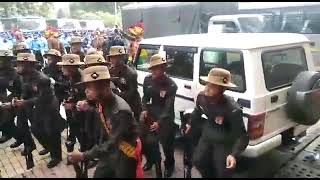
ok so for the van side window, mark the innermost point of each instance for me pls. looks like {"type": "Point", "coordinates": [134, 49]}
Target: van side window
{"type": "Point", "coordinates": [230, 60]}
{"type": "Point", "coordinates": [280, 67]}
{"type": "Point", "coordinates": [180, 64]}
{"type": "Point", "coordinates": [143, 56]}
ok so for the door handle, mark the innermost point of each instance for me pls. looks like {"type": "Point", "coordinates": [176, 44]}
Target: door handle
{"type": "Point", "coordinates": [187, 86]}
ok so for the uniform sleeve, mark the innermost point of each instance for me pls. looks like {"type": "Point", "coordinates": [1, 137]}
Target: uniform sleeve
{"type": "Point", "coordinates": [239, 132]}
{"type": "Point", "coordinates": [120, 130]}
{"type": "Point", "coordinates": [132, 87]}
{"type": "Point", "coordinates": [146, 95]}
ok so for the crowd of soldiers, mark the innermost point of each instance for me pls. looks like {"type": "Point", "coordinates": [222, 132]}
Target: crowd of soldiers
{"type": "Point", "coordinates": [105, 113]}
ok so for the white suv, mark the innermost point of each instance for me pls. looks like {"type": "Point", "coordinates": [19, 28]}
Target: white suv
{"type": "Point", "coordinates": [263, 66]}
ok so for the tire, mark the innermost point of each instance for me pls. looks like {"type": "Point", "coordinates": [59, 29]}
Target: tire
{"type": "Point", "coordinates": [297, 109]}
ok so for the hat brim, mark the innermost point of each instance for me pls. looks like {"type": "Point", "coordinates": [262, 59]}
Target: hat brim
{"type": "Point", "coordinates": [46, 55]}
{"type": "Point", "coordinates": [24, 61]}
{"type": "Point", "coordinates": [75, 42]}
{"type": "Point", "coordinates": [96, 80]}
{"type": "Point", "coordinates": [117, 55]}
{"type": "Point", "coordinates": [231, 85]}
{"type": "Point", "coordinates": [64, 64]}
{"type": "Point", "coordinates": [159, 64]}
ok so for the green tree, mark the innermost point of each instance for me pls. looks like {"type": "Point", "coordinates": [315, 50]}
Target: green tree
{"type": "Point", "coordinates": [26, 8]}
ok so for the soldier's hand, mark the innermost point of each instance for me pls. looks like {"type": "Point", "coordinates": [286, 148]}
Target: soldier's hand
{"type": "Point", "coordinates": [83, 105]}
{"type": "Point", "coordinates": [18, 103]}
{"type": "Point", "coordinates": [6, 105]}
{"type": "Point", "coordinates": [231, 162]}
{"type": "Point", "coordinates": [186, 130]}
{"type": "Point", "coordinates": [154, 126]}
{"type": "Point", "coordinates": [68, 106]}
{"type": "Point", "coordinates": [75, 156]}
{"type": "Point", "coordinates": [143, 116]}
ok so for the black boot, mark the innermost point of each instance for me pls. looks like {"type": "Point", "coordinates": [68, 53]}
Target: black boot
{"type": "Point", "coordinates": [158, 170]}
{"type": "Point", "coordinates": [28, 150]}
{"type": "Point", "coordinates": [43, 152]}
{"type": "Point", "coordinates": [4, 139]}
{"type": "Point", "coordinates": [188, 173]}
{"type": "Point", "coordinates": [53, 163]}
{"type": "Point", "coordinates": [147, 166]}
{"type": "Point", "coordinates": [168, 172]}
{"type": "Point", "coordinates": [15, 144]}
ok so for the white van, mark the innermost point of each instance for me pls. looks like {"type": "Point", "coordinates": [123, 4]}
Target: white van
{"type": "Point", "coordinates": [263, 66]}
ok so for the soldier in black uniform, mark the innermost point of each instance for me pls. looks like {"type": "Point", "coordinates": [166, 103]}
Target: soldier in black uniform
{"type": "Point", "coordinates": [119, 148]}
{"type": "Point", "coordinates": [54, 72]}
{"type": "Point", "coordinates": [9, 80]}
{"type": "Point", "coordinates": [70, 68]}
{"type": "Point", "coordinates": [223, 135]}
{"type": "Point", "coordinates": [127, 79]}
{"type": "Point", "coordinates": [76, 47]}
{"type": "Point", "coordinates": [157, 117]}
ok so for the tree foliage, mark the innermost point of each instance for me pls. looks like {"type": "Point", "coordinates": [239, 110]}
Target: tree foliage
{"type": "Point", "coordinates": [26, 8]}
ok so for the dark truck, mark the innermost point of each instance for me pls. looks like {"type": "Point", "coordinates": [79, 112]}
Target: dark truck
{"type": "Point", "coordinates": [174, 18]}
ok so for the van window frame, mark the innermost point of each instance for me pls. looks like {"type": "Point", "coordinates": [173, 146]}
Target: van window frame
{"type": "Point", "coordinates": [229, 50]}
{"type": "Point", "coordinates": [281, 49]}
{"type": "Point", "coordinates": [146, 46]}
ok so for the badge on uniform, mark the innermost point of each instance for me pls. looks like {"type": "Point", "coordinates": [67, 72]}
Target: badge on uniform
{"type": "Point", "coordinates": [123, 81]}
{"type": "Point", "coordinates": [163, 94]}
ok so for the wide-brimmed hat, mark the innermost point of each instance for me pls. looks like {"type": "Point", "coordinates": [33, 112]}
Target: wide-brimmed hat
{"type": "Point", "coordinates": [95, 73]}
{"type": "Point", "coordinates": [219, 77]}
{"type": "Point", "coordinates": [95, 59]}
{"type": "Point", "coordinates": [70, 60]}
{"type": "Point", "coordinates": [53, 52]}
{"type": "Point", "coordinates": [157, 60]}
{"type": "Point", "coordinates": [26, 58]}
{"type": "Point", "coordinates": [75, 39]}
{"type": "Point", "coordinates": [117, 51]}
{"type": "Point", "coordinates": [21, 46]}
{"type": "Point", "coordinates": [6, 53]}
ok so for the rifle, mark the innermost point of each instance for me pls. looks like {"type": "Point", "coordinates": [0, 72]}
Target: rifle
{"type": "Point", "coordinates": [186, 169]}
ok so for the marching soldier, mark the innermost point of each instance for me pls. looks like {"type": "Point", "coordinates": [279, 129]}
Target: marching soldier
{"type": "Point", "coordinates": [54, 72]}
{"type": "Point", "coordinates": [76, 47]}
{"type": "Point", "coordinates": [157, 117]}
{"type": "Point", "coordinates": [223, 135]}
{"type": "Point", "coordinates": [127, 79]}
{"type": "Point", "coordinates": [9, 79]}
{"type": "Point", "coordinates": [119, 148]}
{"type": "Point", "coordinates": [70, 68]}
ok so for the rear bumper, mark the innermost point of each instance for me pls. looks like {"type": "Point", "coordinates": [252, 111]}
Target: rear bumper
{"type": "Point", "coordinates": [263, 147]}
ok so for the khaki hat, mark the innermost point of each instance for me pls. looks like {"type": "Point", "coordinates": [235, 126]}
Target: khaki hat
{"type": "Point", "coordinates": [75, 39]}
{"type": "Point", "coordinates": [21, 46]}
{"type": "Point", "coordinates": [6, 53]}
{"type": "Point", "coordinates": [117, 51]}
{"type": "Point", "coordinates": [157, 60]}
{"type": "Point", "coordinates": [91, 51]}
{"type": "Point", "coordinates": [52, 52]}
{"type": "Point", "coordinates": [94, 59]}
{"type": "Point", "coordinates": [26, 58]}
{"type": "Point", "coordinates": [219, 77]}
{"type": "Point", "coordinates": [95, 73]}
{"type": "Point", "coordinates": [70, 60]}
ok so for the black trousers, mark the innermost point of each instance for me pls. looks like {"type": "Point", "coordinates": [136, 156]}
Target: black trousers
{"type": "Point", "coordinates": [74, 126]}
{"type": "Point", "coordinates": [23, 115]}
{"type": "Point", "coordinates": [151, 149]}
{"type": "Point", "coordinates": [51, 142]}
{"type": "Point", "coordinates": [210, 160]}
{"type": "Point", "coordinates": [9, 129]}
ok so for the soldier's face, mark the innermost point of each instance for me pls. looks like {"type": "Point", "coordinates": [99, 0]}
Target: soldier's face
{"type": "Point", "coordinates": [157, 71]}
{"type": "Point", "coordinates": [75, 48]}
{"type": "Point", "coordinates": [213, 90]}
{"type": "Point", "coordinates": [69, 70]}
{"type": "Point", "coordinates": [95, 91]}
{"type": "Point", "coordinates": [51, 60]}
{"type": "Point", "coordinates": [115, 60]}
{"type": "Point", "coordinates": [23, 68]}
